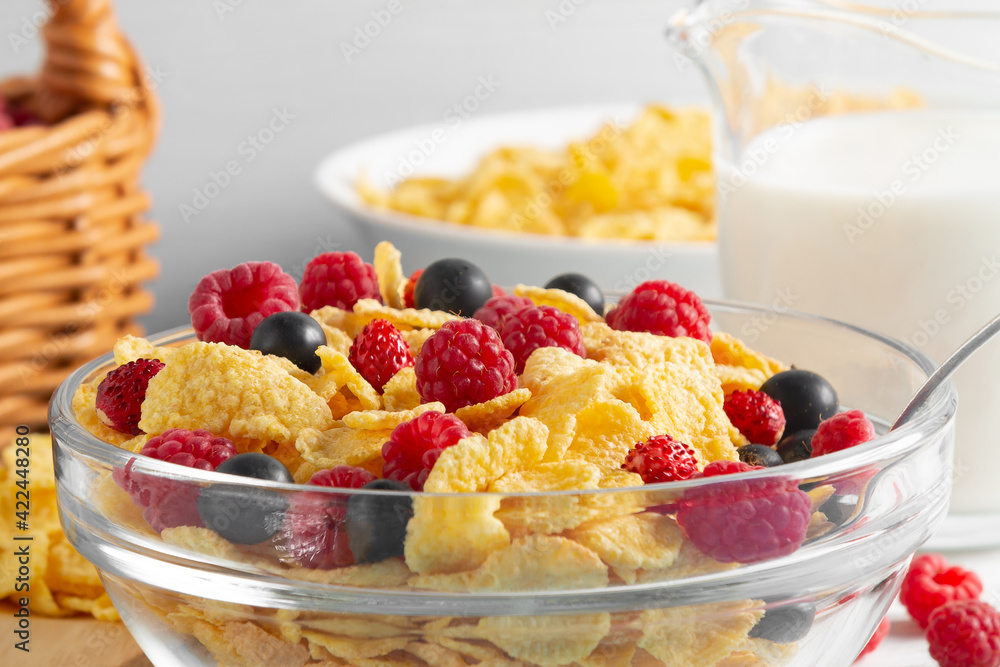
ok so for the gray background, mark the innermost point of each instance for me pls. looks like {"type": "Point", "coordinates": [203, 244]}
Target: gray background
{"type": "Point", "coordinates": [224, 67]}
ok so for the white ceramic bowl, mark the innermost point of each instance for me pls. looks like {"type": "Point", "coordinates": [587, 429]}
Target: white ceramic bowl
{"type": "Point", "coordinates": [451, 149]}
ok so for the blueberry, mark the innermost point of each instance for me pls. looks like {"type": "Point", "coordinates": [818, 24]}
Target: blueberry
{"type": "Point", "coordinates": [838, 509]}
{"type": "Point", "coordinates": [376, 523]}
{"type": "Point", "coordinates": [452, 285]}
{"type": "Point", "coordinates": [582, 286]}
{"type": "Point", "coordinates": [806, 398]}
{"type": "Point", "coordinates": [797, 446]}
{"type": "Point", "coordinates": [240, 514]}
{"type": "Point", "coordinates": [785, 624]}
{"type": "Point", "coordinates": [292, 335]}
{"type": "Point", "coordinates": [759, 455]}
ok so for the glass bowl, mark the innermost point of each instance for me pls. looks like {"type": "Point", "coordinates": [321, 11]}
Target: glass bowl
{"type": "Point", "coordinates": [623, 588]}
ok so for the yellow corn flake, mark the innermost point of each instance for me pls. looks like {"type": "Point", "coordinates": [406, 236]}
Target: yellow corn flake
{"type": "Point", "coordinates": [400, 392]}
{"type": "Point", "coordinates": [453, 533]}
{"type": "Point", "coordinates": [389, 271]}
{"type": "Point", "coordinates": [556, 476]}
{"type": "Point", "coordinates": [338, 374]}
{"type": "Point", "coordinates": [616, 478]}
{"type": "Point", "coordinates": [383, 574]}
{"type": "Point", "coordinates": [548, 364]}
{"type": "Point", "coordinates": [129, 348]}
{"type": "Point", "coordinates": [547, 640]}
{"type": "Point", "coordinates": [610, 653]}
{"type": "Point", "coordinates": [635, 349]}
{"type": "Point", "coordinates": [731, 351]}
{"type": "Point", "coordinates": [376, 420]}
{"type": "Point", "coordinates": [606, 430]}
{"type": "Point", "coordinates": [739, 378]}
{"type": "Point", "coordinates": [564, 301]}
{"type": "Point", "coordinates": [332, 318]}
{"type": "Point", "coordinates": [819, 525]}
{"type": "Point", "coordinates": [203, 541]}
{"type": "Point", "coordinates": [435, 654]}
{"type": "Point", "coordinates": [667, 223]}
{"type": "Point", "coordinates": [546, 514]}
{"type": "Point", "coordinates": [632, 542]}
{"type": "Point", "coordinates": [231, 392]}
{"type": "Point", "coordinates": [697, 635]}
{"type": "Point", "coordinates": [359, 626]}
{"type": "Point", "coordinates": [248, 645]}
{"type": "Point", "coordinates": [404, 319]}
{"type": "Point", "coordinates": [486, 416]}
{"type": "Point", "coordinates": [820, 494]}
{"type": "Point", "coordinates": [480, 652]}
{"type": "Point", "coordinates": [416, 338]}
{"type": "Point", "coordinates": [341, 446]}
{"type": "Point", "coordinates": [690, 562]}
{"type": "Point", "coordinates": [351, 648]}
{"type": "Point", "coordinates": [337, 339]}
{"type": "Point", "coordinates": [753, 652]}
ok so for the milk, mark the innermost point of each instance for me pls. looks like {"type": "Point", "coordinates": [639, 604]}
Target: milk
{"type": "Point", "coordinates": [890, 221]}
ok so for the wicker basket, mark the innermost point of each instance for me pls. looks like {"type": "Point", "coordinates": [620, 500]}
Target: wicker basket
{"type": "Point", "coordinates": [72, 232]}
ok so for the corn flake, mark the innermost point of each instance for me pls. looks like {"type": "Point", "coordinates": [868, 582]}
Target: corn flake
{"type": "Point", "coordinates": [697, 635]}
{"type": "Point", "coordinates": [453, 533]}
{"type": "Point", "coordinates": [564, 301]}
{"type": "Point", "coordinates": [129, 348]}
{"type": "Point", "coordinates": [403, 319]}
{"type": "Point", "coordinates": [376, 420]}
{"type": "Point", "coordinates": [547, 640]}
{"type": "Point", "coordinates": [484, 417]}
{"type": "Point", "coordinates": [731, 351]}
{"type": "Point", "coordinates": [389, 271]}
{"type": "Point", "coordinates": [631, 542]}
{"type": "Point", "coordinates": [400, 392]}
{"type": "Point", "coordinates": [341, 446]}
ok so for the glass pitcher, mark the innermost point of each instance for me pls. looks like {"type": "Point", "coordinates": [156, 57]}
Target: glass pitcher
{"type": "Point", "coordinates": [857, 150]}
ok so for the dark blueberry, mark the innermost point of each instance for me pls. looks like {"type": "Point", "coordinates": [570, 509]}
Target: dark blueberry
{"type": "Point", "coordinates": [806, 398]}
{"type": "Point", "coordinates": [582, 286]}
{"type": "Point", "coordinates": [292, 335]}
{"type": "Point", "coordinates": [376, 523]}
{"type": "Point", "coordinates": [797, 446]}
{"type": "Point", "coordinates": [838, 509]}
{"type": "Point", "coordinates": [785, 624]}
{"type": "Point", "coordinates": [240, 514]}
{"type": "Point", "coordinates": [454, 286]}
{"type": "Point", "coordinates": [759, 455]}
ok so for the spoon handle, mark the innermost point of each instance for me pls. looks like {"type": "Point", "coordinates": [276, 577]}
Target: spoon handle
{"type": "Point", "coordinates": [945, 370]}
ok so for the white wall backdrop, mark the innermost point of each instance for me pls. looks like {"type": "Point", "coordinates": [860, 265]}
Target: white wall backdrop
{"type": "Point", "coordinates": [228, 69]}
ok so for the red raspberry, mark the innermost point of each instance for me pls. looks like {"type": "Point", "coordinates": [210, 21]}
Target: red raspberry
{"type": "Point", "coordinates": [663, 308]}
{"type": "Point", "coordinates": [757, 416]}
{"type": "Point", "coordinates": [228, 304]}
{"type": "Point", "coordinates": [747, 520]}
{"type": "Point", "coordinates": [841, 431]}
{"type": "Point", "coordinates": [931, 582]}
{"type": "Point", "coordinates": [121, 393]}
{"type": "Point", "coordinates": [498, 291]}
{"type": "Point", "coordinates": [497, 308]}
{"type": "Point", "coordinates": [965, 633]}
{"type": "Point", "coordinates": [414, 446]}
{"type": "Point", "coordinates": [661, 459]}
{"type": "Point", "coordinates": [379, 352]}
{"type": "Point", "coordinates": [338, 279]}
{"type": "Point", "coordinates": [168, 503]}
{"type": "Point", "coordinates": [314, 527]}
{"type": "Point", "coordinates": [528, 329]}
{"type": "Point", "coordinates": [880, 633]}
{"type": "Point", "coordinates": [411, 283]}
{"type": "Point", "coordinates": [464, 363]}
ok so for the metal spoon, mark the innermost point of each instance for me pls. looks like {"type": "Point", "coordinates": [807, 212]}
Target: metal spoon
{"type": "Point", "coordinates": [945, 370]}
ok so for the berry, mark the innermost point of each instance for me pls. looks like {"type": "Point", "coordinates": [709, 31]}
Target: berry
{"type": "Point", "coordinates": [661, 459]}
{"type": "Point", "coordinates": [314, 529]}
{"type": "Point", "coordinates": [498, 291]}
{"type": "Point", "coordinates": [880, 633]}
{"type": "Point", "coordinates": [931, 582]}
{"type": "Point", "coordinates": [744, 521]}
{"type": "Point", "coordinates": [413, 447]}
{"type": "Point", "coordinates": [528, 329]}
{"type": "Point", "coordinates": [663, 308]}
{"type": "Point", "coordinates": [759, 456]}
{"type": "Point", "coordinates": [121, 393]}
{"type": "Point", "coordinates": [757, 416]}
{"type": "Point", "coordinates": [376, 522]}
{"type": "Point", "coordinates": [241, 514]}
{"type": "Point", "coordinates": [785, 624]}
{"type": "Point", "coordinates": [166, 502]}
{"type": "Point", "coordinates": [338, 279]}
{"type": "Point", "coordinates": [378, 353]}
{"type": "Point", "coordinates": [411, 283]}
{"type": "Point", "coordinates": [841, 431]}
{"type": "Point", "coordinates": [293, 335]}
{"type": "Point", "coordinates": [806, 398]}
{"type": "Point", "coordinates": [581, 286]}
{"type": "Point", "coordinates": [796, 447]}
{"type": "Point", "coordinates": [464, 363]}
{"type": "Point", "coordinates": [965, 633]}
{"type": "Point", "coordinates": [497, 308]}
{"type": "Point", "coordinates": [227, 305]}
{"type": "Point", "coordinates": [453, 285]}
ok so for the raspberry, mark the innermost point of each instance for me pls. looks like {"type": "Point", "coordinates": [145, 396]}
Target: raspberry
{"type": "Point", "coordinates": [498, 291]}
{"type": "Point", "coordinates": [661, 459]}
{"type": "Point", "coordinates": [228, 304]}
{"type": "Point", "coordinates": [314, 526]}
{"type": "Point", "coordinates": [414, 447]}
{"type": "Point", "coordinates": [338, 279]}
{"type": "Point", "coordinates": [965, 633]}
{"type": "Point", "coordinates": [744, 521]}
{"type": "Point", "coordinates": [408, 288]}
{"type": "Point", "coordinates": [757, 416]}
{"type": "Point", "coordinates": [528, 329]}
{"type": "Point", "coordinates": [663, 308]}
{"type": "Point", "coordinates": [379, 352]}
{"type": "Point", "coordinates": [931, 582]}
{"type": "Point", "coordinates": [168, 503]}
{"type": "Point", "coordinates": [880, 633]}
{"type": "Point", "coordinates": [464, 363]}
{"type": "Point", "coordinates": [497, 308]}
{"type": "Point", "coordinates": [841, 431]}
{"type": "Point", "coordinates": [121, 392]}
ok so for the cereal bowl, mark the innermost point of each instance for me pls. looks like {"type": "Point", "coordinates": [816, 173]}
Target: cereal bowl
{"type": "Point", "coordinates": [597, 577]}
